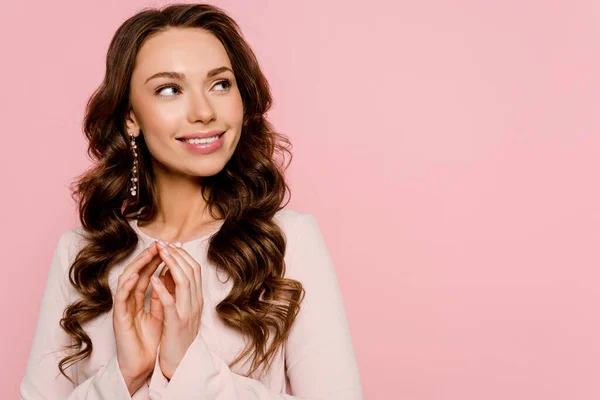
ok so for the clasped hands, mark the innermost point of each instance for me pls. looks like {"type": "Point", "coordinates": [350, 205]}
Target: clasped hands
{"type": "Point", "coordinates": [174, 317]}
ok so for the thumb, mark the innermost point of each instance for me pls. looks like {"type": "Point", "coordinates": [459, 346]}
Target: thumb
{"type": "Point", "coordinates": [167, 302]}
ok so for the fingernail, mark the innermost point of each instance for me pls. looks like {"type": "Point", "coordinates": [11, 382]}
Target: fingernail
{"type": "Point", "coordinates": [166, 251]}
{"type": "Point", "coordinates": [162, 243]}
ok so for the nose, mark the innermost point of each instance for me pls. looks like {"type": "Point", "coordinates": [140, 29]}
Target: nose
{"type": "Point", "coordinates": [200, 108]}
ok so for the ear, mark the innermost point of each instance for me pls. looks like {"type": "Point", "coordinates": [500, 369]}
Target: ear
{"type": "Point", "coordinates": [132, 124]}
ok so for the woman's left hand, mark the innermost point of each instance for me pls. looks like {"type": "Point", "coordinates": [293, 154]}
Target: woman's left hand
{"type": "Point", "coordinates": [180, 293]}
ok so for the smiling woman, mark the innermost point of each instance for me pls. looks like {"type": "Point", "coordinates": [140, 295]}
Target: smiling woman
{"type": "Point", "coordinates": [247, 304]}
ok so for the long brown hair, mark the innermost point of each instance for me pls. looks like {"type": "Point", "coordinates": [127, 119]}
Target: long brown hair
{"type": "Point", "coordinates": [247, 193]}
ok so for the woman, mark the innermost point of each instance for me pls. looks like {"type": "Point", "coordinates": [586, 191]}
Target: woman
{"type": "Point", "coordinates": [247, 304]}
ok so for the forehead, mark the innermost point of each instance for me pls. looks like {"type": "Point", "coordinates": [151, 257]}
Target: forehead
{"type": "Point", "coordinates": [193, 51]}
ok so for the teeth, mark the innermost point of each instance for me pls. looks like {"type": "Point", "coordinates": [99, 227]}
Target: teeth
{"type": "Point", "coordinates": [201, 141]}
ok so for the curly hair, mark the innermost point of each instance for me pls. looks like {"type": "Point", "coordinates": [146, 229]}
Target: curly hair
{"type": "Point", "coordinates": [247, 192]}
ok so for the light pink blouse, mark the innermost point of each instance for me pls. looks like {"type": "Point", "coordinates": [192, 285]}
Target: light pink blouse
{"type": "Point", "coordinates": [317, 361]}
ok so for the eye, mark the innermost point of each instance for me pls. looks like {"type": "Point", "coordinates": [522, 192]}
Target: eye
{"type": "Point", "coordinates": [162, 88]}
{"type": "Point", "coordinates": [159, 91]}
{"type": "Point", "coordinates": [225, 82]}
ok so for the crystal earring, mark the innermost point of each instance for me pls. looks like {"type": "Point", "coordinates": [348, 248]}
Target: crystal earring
{"type": "Point", "coordinates": [134, 175]}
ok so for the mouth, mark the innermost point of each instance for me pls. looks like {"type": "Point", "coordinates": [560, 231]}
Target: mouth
{"type": "Point", "coordinates": [201, 140]}
{"type": "Point", "coordinates": [203, 146]}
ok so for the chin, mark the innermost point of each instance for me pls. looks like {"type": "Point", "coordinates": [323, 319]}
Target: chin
{"type": "Point", "coordinates": [208, 170]}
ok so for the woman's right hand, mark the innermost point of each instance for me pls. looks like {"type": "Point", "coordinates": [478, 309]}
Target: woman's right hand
{"type": "Point", "coordinates": [137, 332]}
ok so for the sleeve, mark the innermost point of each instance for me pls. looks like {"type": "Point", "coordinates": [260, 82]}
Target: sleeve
{"type": "Point", "coordinates": [42, 379]}
{"type": "Point", "coordinates": [320, 359]}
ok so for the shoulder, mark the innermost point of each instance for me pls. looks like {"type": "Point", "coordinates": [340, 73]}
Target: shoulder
{"type": "Point", "coordinates": [292, 221]}
{"type": "Point", "coordinates": [303, 235]}
{"type": "Point", "coordinates": [69, 243]}
{"type": "Point", "coordinates": [67, 246]}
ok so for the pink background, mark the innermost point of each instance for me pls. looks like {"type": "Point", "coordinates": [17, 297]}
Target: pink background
{"type": "Point", "coordinates": [449, 150]}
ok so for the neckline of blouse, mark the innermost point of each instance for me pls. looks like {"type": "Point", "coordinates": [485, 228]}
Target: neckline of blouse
{"type": "Point", "coordinates": [148, 239]}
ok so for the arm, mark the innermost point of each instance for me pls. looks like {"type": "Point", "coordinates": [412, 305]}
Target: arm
{"type": "Point", "coordinates": [320, 358]}
{"type": "Point", "coordinates": [42, 379]}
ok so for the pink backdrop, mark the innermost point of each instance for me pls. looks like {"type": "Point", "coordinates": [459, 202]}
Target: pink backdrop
{"type": "Point", "coordinates": [449, 150]}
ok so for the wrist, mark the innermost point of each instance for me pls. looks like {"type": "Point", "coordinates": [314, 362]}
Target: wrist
{"type": "Point", "coordinates": [166, 375]}
{"type": "Point", "coordinates": [133, 383]}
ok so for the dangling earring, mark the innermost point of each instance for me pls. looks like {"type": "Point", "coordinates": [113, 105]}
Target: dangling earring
{"type": "Point", "coordinates": [134, 175]}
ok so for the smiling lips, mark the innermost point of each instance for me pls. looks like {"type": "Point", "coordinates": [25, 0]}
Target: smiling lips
{"type": "Point", "coordinates": [201, 135]}
{"type": "Point", "coordinates": [206, 144]}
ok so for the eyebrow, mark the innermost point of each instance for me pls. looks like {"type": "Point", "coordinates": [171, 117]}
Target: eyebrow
{"type": "Point", "coordinates": [181, 75]}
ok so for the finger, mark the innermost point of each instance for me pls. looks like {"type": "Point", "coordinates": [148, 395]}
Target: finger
{"type": "Point", "coordinates": [156, 308]}
{"type": "Point", "coordinates": [197, 273]}
{"type": "Point", "coordinates": [120, 302]}
{"type": "Point", "coordinates": [189, 272]}
{"type": "Point", "coordinates": [169, 283]}
{"type": "Point", "coordinates": [182, 289]}
{"type": "Point", "coordinates": [139, 291]}
{"type": "Point", "coordinates": [167, 302]}
{"type": "Point", "coordinates": [138, 263]}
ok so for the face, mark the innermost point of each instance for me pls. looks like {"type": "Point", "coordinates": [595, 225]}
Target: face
{"type": "Point", "coordinates": [202, 96]}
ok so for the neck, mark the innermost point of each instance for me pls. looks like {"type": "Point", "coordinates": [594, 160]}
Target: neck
{"type": "Point", "coordinates": [181, 209]}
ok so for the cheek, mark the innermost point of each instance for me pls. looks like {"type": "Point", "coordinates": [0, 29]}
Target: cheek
{"type": "Point", "coordinates": [159, 130]}
{"type": "Point", "coordinates": [239, 108]}
{"type": "Point", "coordinates": [161, 125]}
{"type": "Point", "coordinates": [236, 114]}
{"type": "Point", "coordinates": [162, 120]}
